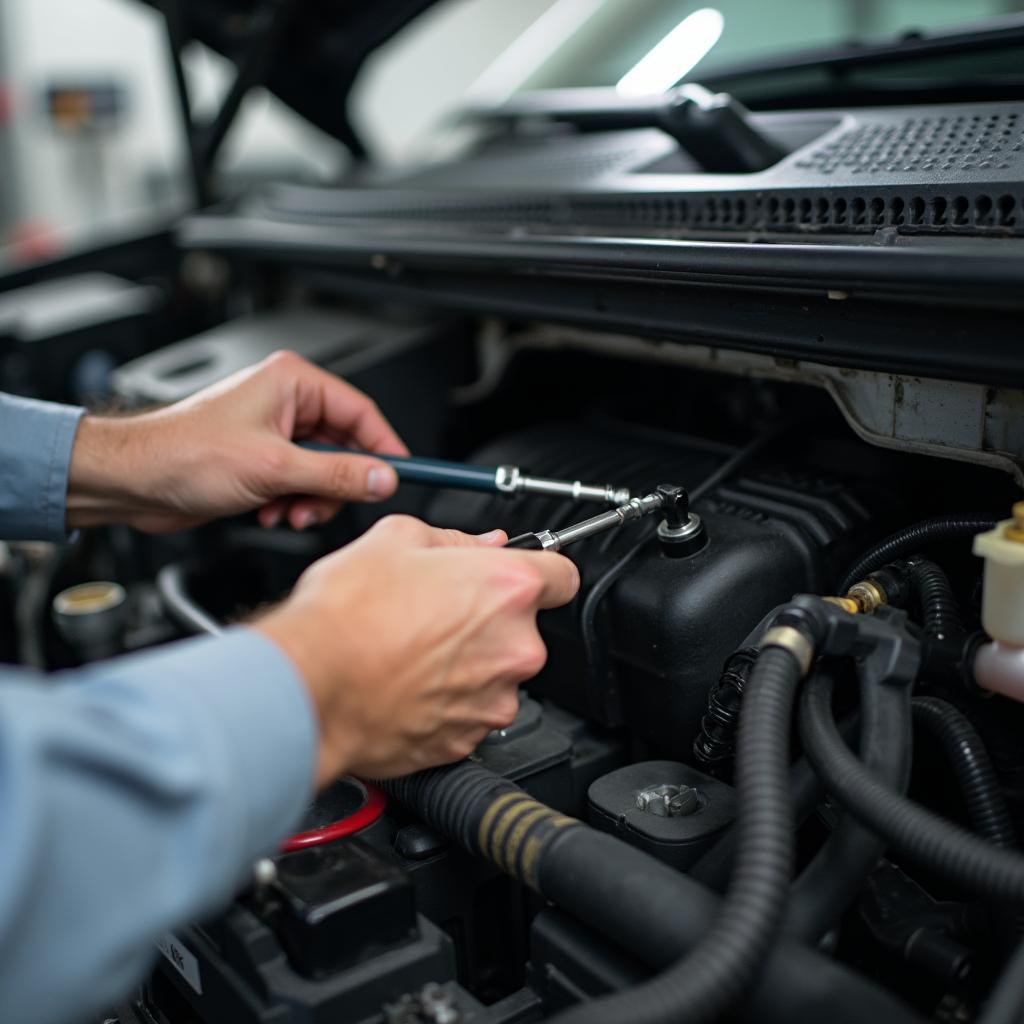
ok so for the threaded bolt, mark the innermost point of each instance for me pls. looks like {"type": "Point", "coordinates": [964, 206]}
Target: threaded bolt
{"type": "Point", "coordinates": [668, 801]}
{"type": "Point", "coordinates": [868, 595]}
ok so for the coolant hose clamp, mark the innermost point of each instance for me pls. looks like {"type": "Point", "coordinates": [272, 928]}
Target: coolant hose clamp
{"type": "Point", "coordinates": [789, 638]}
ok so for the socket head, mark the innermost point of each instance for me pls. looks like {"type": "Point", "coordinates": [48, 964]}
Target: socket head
{"type": "Point", "coordinates": [675, 508]}
{"type": "Point", "coordinates": [680, 531]}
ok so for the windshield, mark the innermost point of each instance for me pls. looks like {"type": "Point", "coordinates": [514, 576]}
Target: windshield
{"type": "Point", "coordinates": [478, 53]}
{"type": "Point", "coordinates": [646, 46]}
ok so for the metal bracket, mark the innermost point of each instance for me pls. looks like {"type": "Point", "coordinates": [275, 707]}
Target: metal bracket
{"type": "Point", "coordinates": [949, 419]}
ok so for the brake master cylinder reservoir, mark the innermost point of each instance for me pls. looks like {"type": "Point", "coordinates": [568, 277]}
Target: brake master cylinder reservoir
{"type": "Point", "coordinates": [999, 665]}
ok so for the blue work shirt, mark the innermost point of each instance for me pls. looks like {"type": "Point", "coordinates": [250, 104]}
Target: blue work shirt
{"type": "Point", "coordinates": [134, 794]}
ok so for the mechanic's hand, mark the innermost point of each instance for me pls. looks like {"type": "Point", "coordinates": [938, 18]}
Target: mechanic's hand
{"type": "Point", "coordinates": [413, 640]}
{"type": "Point", "coordinates": [228, 449]}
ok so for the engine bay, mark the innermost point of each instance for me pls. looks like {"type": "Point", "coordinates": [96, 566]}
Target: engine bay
{"type": "Point", "coordinates": [755, 368]}
{"type": "Point", "coordinates": [388, 907]}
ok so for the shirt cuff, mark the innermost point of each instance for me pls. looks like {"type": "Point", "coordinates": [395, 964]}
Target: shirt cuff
{"type": "Point", "coordinates": [36, 439]}
{"type": "Point", "coordinates": [252, 721]}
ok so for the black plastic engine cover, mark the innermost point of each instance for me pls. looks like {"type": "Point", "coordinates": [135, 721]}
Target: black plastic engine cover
{"type": "Point", "coordinates": [665, 626]}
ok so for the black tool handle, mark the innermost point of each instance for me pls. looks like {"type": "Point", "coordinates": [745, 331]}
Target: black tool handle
{"type": "Point", "coordinates": [433, 472]}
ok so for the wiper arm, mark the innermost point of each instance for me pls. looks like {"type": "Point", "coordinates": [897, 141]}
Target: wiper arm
{"type": "Point", "coordinates": [714, 128]}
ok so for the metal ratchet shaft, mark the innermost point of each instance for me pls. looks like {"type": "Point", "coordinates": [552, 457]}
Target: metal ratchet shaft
{"type": "Point", "coordinates": [555, 540]}
{"type": "Point", "coordinates": [500, 479]}
{"type": "Point", "coordinates": [512, 480]}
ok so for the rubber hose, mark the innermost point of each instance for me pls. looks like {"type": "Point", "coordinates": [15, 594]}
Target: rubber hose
{"type": "Point", "coordinates": [707, 982]}
{"type": "Point", "coordinates": [644, 906]}
{"type": "Point", "coordinates": [911, 829]}
{"type": "Point", "coordinates": [910, 539]}
{"type": "Point", "coordinates": [174, 596]}
{"type": "Point", "coordinates": [715, 864]}
{"type": "Point", "coordinates": [1006, 1003]}
{"type": "Point", "coordinates": [940, 614]}
{"type": "Point", "coordinates": [452, 800]}
{"type": "Point", "coordinates": [836, 874]}
{"type": "Point", "coordinates": [987, 809]}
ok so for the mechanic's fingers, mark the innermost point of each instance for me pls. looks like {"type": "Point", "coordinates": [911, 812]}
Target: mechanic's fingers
{"type": "Point", "coordinates": [337, 477]}
{"type": "Point", "coordinates": [413, 531]}
{"type": "Point", "coordinates": [496, 704]}
{"type": "Point", "coordinates": [559, 576]}
{"type": "Point", "coordinates": [343, 412]}
{"type": "Point", "coordinates": [307, 512]}
{"type": "Point", "coordinates": [272, 513]}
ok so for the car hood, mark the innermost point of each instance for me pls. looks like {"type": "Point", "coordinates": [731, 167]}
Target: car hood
{"type": "Point", "coordinates": [317, 49]}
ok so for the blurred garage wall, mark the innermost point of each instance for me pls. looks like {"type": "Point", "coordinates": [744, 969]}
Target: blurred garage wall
{"type": "Point", "coordinates": [90, 133]}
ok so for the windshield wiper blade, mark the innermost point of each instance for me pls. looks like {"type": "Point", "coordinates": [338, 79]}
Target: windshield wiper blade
{"type": "Point", "coordinates": [714, 128]}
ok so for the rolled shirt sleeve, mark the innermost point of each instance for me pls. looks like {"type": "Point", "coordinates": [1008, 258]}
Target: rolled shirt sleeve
{"type": "Point", "coordinates": [35, 452]}
{"type": "Point", "coordinates": [135, 796]}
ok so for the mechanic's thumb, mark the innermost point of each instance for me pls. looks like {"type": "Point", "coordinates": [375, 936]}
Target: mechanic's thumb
{"type": "Point", "coordinates": [339, 477]}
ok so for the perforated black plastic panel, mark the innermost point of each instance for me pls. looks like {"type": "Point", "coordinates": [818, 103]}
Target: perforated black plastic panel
{"type": "Point", "coordinates": [933, 170]}
{"type": "Point", "coordinates": [959, 143]}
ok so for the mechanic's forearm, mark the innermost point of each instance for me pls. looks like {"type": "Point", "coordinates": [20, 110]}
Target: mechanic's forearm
{"type": "Point", "coordinates": [111, 462]}
{"type": "Point", "coordinates": [134, 796]}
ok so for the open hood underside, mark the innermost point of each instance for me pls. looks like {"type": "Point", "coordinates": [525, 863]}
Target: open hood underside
{"type": "Point", "coordinates": [316, 50]}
